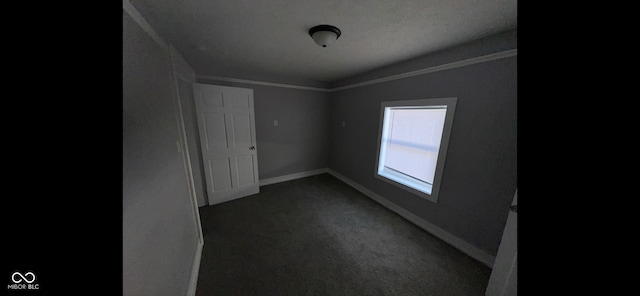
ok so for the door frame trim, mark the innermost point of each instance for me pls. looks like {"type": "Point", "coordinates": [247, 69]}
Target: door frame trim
{"type": "Point", "coordinates": [174, 56]}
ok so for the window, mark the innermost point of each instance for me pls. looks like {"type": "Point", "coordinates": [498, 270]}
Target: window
{"type": "Point", "coordinates": [412, 144]}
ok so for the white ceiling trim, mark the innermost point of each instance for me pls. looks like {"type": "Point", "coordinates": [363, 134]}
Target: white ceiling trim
{"type": "Point", "coordinates": [453, 65]}
{"type": "Point", "coordinates": [220, 78]}
{"type": "Point", "coordinates": [458, 64]}
{"type": "Point", "coordinates": [137, 17]}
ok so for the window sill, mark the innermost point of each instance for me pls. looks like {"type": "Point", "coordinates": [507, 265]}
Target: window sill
{"type": "Point", "coordinates": [402, 181]}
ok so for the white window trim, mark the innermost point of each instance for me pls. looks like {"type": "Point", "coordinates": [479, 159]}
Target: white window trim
{"type": "Point", "coordinates": [398, 179]}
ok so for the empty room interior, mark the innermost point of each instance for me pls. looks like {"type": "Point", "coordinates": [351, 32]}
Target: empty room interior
{"type": "Point", "coordinates": [329, 147]}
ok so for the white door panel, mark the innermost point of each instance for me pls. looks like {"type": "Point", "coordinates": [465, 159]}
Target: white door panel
{"type": "Point", "coordinates": [245, 170]}
{"type": "Point", "coordinates": [215, 134]}
{"type": "Point", "coordinates": [220, 174]}
{"type": "Point", "coordinates": [227, 132]}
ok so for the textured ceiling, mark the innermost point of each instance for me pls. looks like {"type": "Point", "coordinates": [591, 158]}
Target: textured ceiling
{"type": "Point", "coordinates": [233, 38]}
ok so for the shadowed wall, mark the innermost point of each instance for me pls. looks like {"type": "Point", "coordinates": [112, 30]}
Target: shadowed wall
{"type": "Point", "coordinates": [481, 167]}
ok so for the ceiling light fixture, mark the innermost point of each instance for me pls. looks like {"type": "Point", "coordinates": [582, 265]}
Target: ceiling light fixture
{"type": "Point", "coordinates": [324, 35]}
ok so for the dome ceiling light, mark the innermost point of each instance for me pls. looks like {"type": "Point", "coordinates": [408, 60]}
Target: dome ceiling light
{"type": "Point", "coordinates": [324, 35]}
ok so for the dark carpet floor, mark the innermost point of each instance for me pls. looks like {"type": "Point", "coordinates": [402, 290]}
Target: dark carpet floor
{"type": "Point", "coordinates": [319, 236]}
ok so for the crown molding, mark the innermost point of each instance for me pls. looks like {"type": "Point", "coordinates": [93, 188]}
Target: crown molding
{"type": "Point", "coordinates": [256, 82]}
{"type": "Point", "coordinates": [432, 69]}
{"type": "Point", "coordinates": [453, 65]}
{"type": "Point", "coordinates": [139, 19]}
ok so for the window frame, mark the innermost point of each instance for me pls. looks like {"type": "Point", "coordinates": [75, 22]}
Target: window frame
{"type": "Point", "coordinates": [450, 104]}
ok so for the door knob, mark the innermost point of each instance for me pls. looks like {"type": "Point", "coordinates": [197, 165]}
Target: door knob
{"type": "Point", "coordinates": [252, 148]}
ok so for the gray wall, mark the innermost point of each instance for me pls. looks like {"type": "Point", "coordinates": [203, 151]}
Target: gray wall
{"type": "Point", "coordinates": [300, 142]}
{"type": "Point", "coordinates": [159, 234]}
{"type": "Point", "coordinates": [480, 171]}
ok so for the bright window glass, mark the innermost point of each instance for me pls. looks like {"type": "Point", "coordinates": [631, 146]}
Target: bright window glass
{"type": "Point", "coordinates": [414, 140]}
{"type": "Point", "coordinates": [411, 143]}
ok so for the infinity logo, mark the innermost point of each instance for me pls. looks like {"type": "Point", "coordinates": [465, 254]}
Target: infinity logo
{"type": "Point", "coordinates": [23, 277]}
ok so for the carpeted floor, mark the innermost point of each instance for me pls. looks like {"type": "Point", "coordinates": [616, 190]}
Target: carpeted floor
{"type": "Point", "coordinates": [319, 236]}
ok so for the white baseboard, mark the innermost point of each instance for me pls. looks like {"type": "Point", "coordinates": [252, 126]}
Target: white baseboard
{"type": "Point", "coordinates": [290, 177]}
{"type": "Point", "coordinates": [440, 233]}
{"type": "Point", "coordinates": [195, 269]}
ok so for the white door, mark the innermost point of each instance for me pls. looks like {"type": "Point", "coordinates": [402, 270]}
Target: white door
{"type": "Point", "coordinates": [228, 139]}
{"type": "Point", "coordinates": [504, 276]}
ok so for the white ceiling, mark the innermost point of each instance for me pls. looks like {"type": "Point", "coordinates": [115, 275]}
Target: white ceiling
{"type": "Point", "coordinates": [271, 37]}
